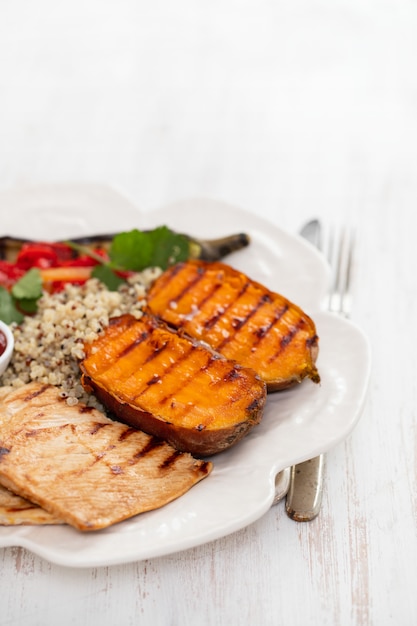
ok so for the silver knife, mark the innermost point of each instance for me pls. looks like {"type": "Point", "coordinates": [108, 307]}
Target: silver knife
{"type": "Point", "coordinates": [305, 490]}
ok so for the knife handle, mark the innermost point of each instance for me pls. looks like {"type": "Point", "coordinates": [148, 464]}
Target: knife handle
{"type": "Point", "coordinates": [306, 490]}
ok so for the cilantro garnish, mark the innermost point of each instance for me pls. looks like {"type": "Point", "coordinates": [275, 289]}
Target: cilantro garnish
{"type": "Point", "coordinates": [27, 291]}
{"type": "Point", "coordinates": [22, 297]}
{"type": "Point", "coordinates": [29, 287]}
{"type": "Point", "coordinates": [135, 250]}
{"type": "Point", "coordinates": [8, 310]}
{"type": "Point", "coordinates": [110, 279]}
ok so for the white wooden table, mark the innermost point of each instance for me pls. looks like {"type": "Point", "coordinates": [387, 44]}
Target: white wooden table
{"type": "Point", "coordinates": [290, 110]}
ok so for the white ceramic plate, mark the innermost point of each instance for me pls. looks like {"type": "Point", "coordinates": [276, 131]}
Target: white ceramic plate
{"type": "Point", "coordinates": [297, 424]}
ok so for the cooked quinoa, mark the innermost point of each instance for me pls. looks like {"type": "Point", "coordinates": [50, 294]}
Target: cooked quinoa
{"type": "Point", "coordinates": [50, 344]}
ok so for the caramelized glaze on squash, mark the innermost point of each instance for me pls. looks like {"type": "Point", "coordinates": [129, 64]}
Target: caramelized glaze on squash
{"type": "Point", "coordinates": [172, 387]}
{"type": "Point", "coordinates": [239, 318]}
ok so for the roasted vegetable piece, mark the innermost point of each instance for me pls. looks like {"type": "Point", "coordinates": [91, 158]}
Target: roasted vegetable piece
{"type": "Point", "coordinates": [171, 387]}
{"type": "Point", "coordinates": [239, 318]}
{"type": "Point", "coordinates": [207, 249]}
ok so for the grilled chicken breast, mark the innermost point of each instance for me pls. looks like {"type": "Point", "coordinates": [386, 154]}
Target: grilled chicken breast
{"type": "Point", "coordinates": [240, 318]}
{"type": "Point", "coordinates": [81, 466]}
{"type": "Point", "coordinates": [15, 511]}
{"type": "Point", "coordinates": [172, 387]}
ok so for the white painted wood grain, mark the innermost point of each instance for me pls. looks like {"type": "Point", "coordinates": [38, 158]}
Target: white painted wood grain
{"type": "Point", "coordinates": [293, 111]}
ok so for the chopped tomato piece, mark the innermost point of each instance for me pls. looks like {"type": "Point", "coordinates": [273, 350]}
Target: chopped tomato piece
{"type": "Point", "coordinates": [42, 255]}
{"type": "Point", "coordinates": [9, 274]}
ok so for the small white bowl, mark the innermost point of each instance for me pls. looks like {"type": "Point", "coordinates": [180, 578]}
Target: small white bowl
{"type": "Point", "coordinates": [7, 354]}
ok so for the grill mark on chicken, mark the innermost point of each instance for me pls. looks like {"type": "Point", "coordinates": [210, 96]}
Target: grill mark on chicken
{"type": "Point", "coordinates": [126, 433]}
{"type": "Point", "coordinates": [3, 452]}
{"type": "Point", "coordinates": [36, 393]}
{"type": "Point", "coordinates": [152, 444]}
{"type": "Point", "coordinates": [96, 428]}
{"type": "Point", "coordinates": [170, 460]}
{"type": "Point", "coordinates": [18, 510]}
{"type": "Point", "coordinates": [33, 432]}
{"type": "Point", "coordinates": [84, 409]}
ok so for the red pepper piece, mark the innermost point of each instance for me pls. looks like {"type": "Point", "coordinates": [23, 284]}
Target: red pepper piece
{"type": "Point", "coordinates": [9, 274]}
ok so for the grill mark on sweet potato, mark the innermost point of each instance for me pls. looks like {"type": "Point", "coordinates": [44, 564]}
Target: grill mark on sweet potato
{"type": "Point", "coordinates": [245, 328]}
{"type": "Point", "coordinates": [253, 406]}
{"type": "Point", "coordinates": [157, 349]}
{"type": "Point", "coordinates": [133, 344]}
{"type": "Point", "coordinates": [177, 269]}
{"type": "Point", "coordinates": [209, 323]}
{"type": "Point", "coordinates": [176, 365]}
{"type": "Point", "coordinates": [114, 322]}
{"type": "Point", "coordinates": [155, 379]}
{"type": "Point", "coordinates": [263, 331]}
{"type": "Point", "coordinates": [231, 375]}
{"type": "Point", "coordinates": [287, 339]}
{"type": "Point", "coordinates": [199, 275]}
{"type": "Point", "coordinates": [312, 341]}
{"type": "Point", "coordinates": [239, 323]}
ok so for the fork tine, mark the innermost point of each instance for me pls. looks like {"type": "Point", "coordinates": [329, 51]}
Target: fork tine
{"type": "Point", "coordinates": [340, 258]}
{"type": "Point", "coordinates": [346, 272]}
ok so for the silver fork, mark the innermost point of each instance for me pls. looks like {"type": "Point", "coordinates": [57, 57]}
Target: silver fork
{"type": "Point", "coordinates": [303, 483]}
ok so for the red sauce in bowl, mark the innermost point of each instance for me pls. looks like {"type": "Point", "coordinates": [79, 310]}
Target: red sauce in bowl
{"type": "Point", "coordinates": [3, 342]}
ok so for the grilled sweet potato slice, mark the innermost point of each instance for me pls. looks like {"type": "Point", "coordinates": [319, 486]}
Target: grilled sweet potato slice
{"type": "Point", "coordinates": [172, 387]}
{"type": "Point", "coordinates": [240, 318]}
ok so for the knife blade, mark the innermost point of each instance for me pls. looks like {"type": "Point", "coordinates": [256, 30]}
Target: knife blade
{"type": "Point", "coordinates": [304, 496]}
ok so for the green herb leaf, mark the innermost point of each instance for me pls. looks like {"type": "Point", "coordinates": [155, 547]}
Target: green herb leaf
{"type": "Point", "coordinates": [29, 287]}
{"type": "Point", "coordinates": [28, 306]}
{"type": "Point", "coordinates": [136, 250]}
{"type": "Point", "coordinates": [8, 311]}
{"type": "Point", "coordinates": [108, 277]}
